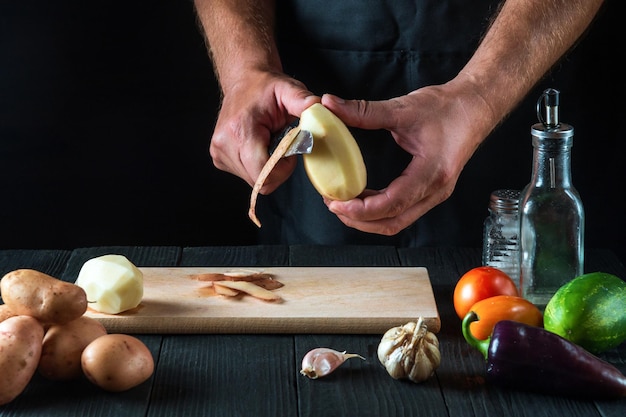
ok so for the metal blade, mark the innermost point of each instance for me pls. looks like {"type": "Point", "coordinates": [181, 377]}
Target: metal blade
{"type": "Point", "coordinates": [302, 143]}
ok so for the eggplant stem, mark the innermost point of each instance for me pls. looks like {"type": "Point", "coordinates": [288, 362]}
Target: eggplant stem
{"type": "Point", "coordinates": [481, 345]}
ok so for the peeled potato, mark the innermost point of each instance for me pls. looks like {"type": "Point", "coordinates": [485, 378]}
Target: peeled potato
{"type": "Point", "coordinates": [335, 166]}
{"type": "Point", "coordinates": [112, 284]}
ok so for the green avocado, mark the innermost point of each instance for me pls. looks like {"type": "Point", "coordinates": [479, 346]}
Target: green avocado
{"type": "Point", "coordinates": [589, 310]}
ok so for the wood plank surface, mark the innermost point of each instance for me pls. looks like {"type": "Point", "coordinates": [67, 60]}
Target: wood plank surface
{"type": "Point", "coordinates": [358, 388]}
{"type": "Point", "coordinates": [258, 374]}
{"type": "Point", "coordinates": [314, 300]}
{"type": "Point", "coordinates": [363, 387]}
{"type": "Point", "coordinates": [225, 375]}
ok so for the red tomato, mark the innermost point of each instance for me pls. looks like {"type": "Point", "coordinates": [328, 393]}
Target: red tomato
{"type": "Point", "coordinates": [480, 283]}
{"type": "Point", "coordinates": [503, 307]}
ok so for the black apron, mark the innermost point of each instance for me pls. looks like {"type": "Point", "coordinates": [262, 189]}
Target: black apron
{"type": "Point", "coordinates": [370, 50]}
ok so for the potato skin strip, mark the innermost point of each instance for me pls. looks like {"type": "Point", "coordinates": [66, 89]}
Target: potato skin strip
{"type": "Point", "coordinates": [280, 150]}
{"type": "Point", "coordinates": [231, 276]}
{"type": "Point", "coordinates": [225, 291]}
{"type": "Point", "coordinates": [250, 289]}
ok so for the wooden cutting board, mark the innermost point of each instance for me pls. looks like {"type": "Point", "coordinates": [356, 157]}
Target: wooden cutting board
{"type": "Point", "coordinates": [345, 300]}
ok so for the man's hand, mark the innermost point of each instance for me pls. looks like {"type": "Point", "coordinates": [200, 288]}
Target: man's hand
{"type": "Point", "coordinates": [440, 126]}
{"type": "Point", "coordinates": [253, 109]}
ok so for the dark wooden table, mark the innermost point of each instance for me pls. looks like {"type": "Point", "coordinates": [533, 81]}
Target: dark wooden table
{"type": "Point", "coordinates": [258, 375]}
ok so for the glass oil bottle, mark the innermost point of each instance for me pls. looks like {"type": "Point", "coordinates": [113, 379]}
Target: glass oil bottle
{"type": "Point", "coordinates": [551, 210]}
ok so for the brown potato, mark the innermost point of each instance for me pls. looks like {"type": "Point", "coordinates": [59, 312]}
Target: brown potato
{"type": "Point", "coordinates": [117, 362]}
{"type": "Point", "coordinates": [63, 345]}
{"type": "Point", "coordinates": [50, 300]}
{"type": "Point", "coordinates": [20, 349]}
{"type": "Point", "coordinates": [5, 312]}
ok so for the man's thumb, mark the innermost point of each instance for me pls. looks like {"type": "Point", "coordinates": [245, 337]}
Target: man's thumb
{"type": "Point", "coordinates": [357, 113]}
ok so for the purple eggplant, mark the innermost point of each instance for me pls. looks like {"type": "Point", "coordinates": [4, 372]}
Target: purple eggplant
{"type": "Point", "coordinates": [533, 359]}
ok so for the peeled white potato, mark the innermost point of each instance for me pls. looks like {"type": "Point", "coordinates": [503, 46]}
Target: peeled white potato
{"type": "Point", "coordinates": [335, 166]}
{"type": "Point", "coordinates": [112, 284]}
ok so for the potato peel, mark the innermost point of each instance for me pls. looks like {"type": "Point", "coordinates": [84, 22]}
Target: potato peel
{"type": "Point", "coordinates": [249, 288]}
{"type": "Point", "coordinates": [261, 279]}
{"type": "Point", "coordinates": [225, 291]}
{"type": "Point", "coordinates": [278, 153]}
{"type": "Point", "coordinates": [231, 276]}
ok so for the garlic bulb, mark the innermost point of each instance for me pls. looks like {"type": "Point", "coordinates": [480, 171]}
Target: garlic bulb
{"type": "Point", "coordinates": [322, 361]}
{"type": "Point", "coordinates": [410, 351]}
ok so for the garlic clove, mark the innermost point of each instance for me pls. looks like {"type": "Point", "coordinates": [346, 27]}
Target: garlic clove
{"type": "Point", "coordinates": [320, 362]}
{"type": "Point", "coordinates": [427, 358]}
{"type": "Point", "coordinates": [395, 366]}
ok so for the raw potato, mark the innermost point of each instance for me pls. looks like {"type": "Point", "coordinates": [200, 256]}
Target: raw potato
{"type": "Point", "coordinates": [117, 362]}
{"type": "Point", "coordinates": [112, 283]}
{"type": "Point", "coordinates": [335, 167]}
{"type": "Point", "coordinates": [20, 348]}
{"type": "Point", "coordinates": [63, 345]}
{"type": "Point", "coordinates": [5, 312]}
{"type": "Point", "coordinates": [48, 299]}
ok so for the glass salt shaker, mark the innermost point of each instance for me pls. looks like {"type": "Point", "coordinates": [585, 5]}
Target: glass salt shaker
{"type": "Point", "coordinates": [551, 211]}
{"type": "Point", "coordinates": [501, 233]}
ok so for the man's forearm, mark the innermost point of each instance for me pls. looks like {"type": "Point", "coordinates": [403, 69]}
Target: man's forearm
{"type": "Point", "coordinates": [524, 41]}
{"type": "Point", "coordinates": [240, 36]}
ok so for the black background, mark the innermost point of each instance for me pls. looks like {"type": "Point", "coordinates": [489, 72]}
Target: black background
{"type": "Point", "coordinates": [106, 112]}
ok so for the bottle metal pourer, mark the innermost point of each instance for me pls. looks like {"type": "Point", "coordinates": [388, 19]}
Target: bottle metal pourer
{"type": "Point", "coordinates": [550, 98]}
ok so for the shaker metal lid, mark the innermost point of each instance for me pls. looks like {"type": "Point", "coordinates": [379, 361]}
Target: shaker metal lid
{"type": "Point", "coordinates": [506, 200]}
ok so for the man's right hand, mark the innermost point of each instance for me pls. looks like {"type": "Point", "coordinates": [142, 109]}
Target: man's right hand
{"type": "Point", "coordinates": [254, 108]}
